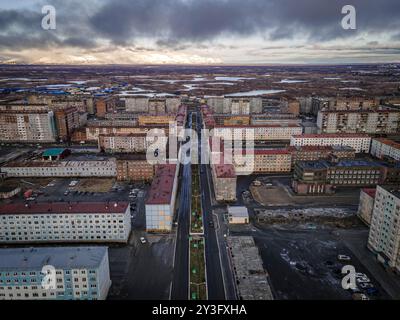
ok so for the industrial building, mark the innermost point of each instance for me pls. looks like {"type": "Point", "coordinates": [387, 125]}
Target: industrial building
{"type": "Point", "coordinates": [384, 235]}
{"type": "Point", "coordinates": [160, 202]}
{"type": "Point", "coordinates": [238, 215]}
{"type": "Point", "coordinates": [54, 273]}
{"type": "Point", "coordinates": [65, 222]}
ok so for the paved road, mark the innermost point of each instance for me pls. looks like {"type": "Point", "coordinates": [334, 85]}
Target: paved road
{"type": "Point", "coordinates": [180, 281]}
{"type": "Point", "coordinates": [219, 276]}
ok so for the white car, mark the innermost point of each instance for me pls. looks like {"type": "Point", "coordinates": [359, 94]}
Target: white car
{"type": "Point", "coordinates": [143, 240]}
{"type": "Point", "coordinates": [342, 257]}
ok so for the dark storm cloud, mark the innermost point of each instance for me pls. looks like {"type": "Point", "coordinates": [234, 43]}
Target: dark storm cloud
{"type": "Point", "coordinates": [175, 23]}
{"type": "Point", "coordinates": [194, 20]}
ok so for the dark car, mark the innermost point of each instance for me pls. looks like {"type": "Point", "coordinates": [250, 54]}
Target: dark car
{"type": "Point", "coordinates": [211, 224]}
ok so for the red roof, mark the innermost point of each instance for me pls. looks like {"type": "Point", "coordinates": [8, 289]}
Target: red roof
{"type": "Point", "coordinates": [161, 188]}
{"type": "Point", "coordinates": [370, 191]}
{"type": "Point", "coordinates": [389, 142]}
{"type": "Point", "coordinates": [225, 171]}
{"type": "Point", "coordinates": [333, 135]}
{"type": "Point", "coordinates": [64, 207]}
{"type": "Point", "coordinates": [261, 126]}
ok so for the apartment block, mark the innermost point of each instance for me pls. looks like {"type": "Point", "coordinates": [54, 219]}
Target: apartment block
{"type": "Point", "coordinates": [383, 121]}
{"type": "Point", "coordinates": [105, 105]}
{"type": "Point", "coordinates": [123, 143]}
{"type": "Point", "coordinates": [161, 198]}
{"type": "Point", "coordinates": [164, 119]}
{"type": "Point", "coordinates": [77, 273]}
{"type": "Point", "coordinates": [95, 129]}
{"type": "Point", "coordinates": [359, 142]}
{"type": "Point", "coordinates": [67, 121]}
{"type": "Point", "coordinates": [366, 204]}
{"type": "Point", "coordinates": [27, 123]}
{"type": "Point", "coordinates": [65, 222]}
{"type": "Point", "coordinates": [259, 133]}
{"type": "Point", "coordinates": [152, 106]}
{"type": "Point", "coordinates": [235, 106]}
{"type": "Point", "coordinates": [382, 148]}
{"type": "Point", "coordinates": [264, 161]}
{"type": "Point", "coordinates": [95, 168]}
{"type": "Point", "coordinates": [135, 168]}
{"type": "Point", "coordinates": [384, 235]}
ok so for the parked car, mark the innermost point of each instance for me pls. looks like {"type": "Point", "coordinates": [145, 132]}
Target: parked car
{"type": "Point", "coordinates": [363, 279]}
{"type": "Point", "coordinates": [211, 224]}
{"type": "Point", "coordinates": [360, 296]}
{"type": "Point", "coordinates": [143, 240]}
{"type": "Point", "coordinates": [342, 257]}
{"type": "Point", "coordinates": [366, 285]}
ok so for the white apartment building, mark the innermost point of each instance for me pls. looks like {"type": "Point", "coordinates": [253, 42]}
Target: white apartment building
{"type": "Point", "coordinates": [258, 133]}
{"type": "Point", "coordinates": [235, 105]}
{"type": "Point", "coordinates": [72, 273]}
{"type": "Point", "coordinates": [359, 142]}
{"type": "Point", "coordinates": [65, 222]}
{"type": "Point", "coordinates": [123, 143]}
{"type": "Point", "coordinates": [384, 235]}
{"type": "Point", "coordinates": [107, 168]}
{"type": "Point", "coordinates": [359, 121]}
{"type": "Point", "coordinates": [385, 148]}
{"type": "Point", "coordinates": [160, 203]}
{"type": "Point", "coordinates": [27, 123]}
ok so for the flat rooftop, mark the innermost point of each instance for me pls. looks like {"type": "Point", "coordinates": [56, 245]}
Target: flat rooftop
{"type": "Point", "coordinates": [63, 208]}
{"type": "Point", "coordinates": [320, 164]}
{"type": "Point", "coordinates": [253, 280]}
{"type": "Point", "coordinates": [28, 259]}
{"type": "Point", "coordinates": [395, 190]}
{"type": "Point", "coordinates": [332, 135]}
{"type": "Point", "coordinates": [388, 142]}
{"type": "Point", "coordinates": [161, 188]}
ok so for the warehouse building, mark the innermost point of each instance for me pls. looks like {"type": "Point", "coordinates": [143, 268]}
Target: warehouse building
{"type": "Point", "coordinates": [65, 222]}
{"type": "Point", "coordinates": [54, 273]}
{"type": "Point", "coordinates": [160, 202]}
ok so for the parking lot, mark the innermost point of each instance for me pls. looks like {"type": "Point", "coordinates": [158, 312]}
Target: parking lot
{"type": "Point", "coordinates": [303, 263]}
{"type": "Point", "coordinates": [142, 271]}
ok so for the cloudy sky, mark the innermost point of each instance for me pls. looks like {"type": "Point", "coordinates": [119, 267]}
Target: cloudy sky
{"type": "Point", "coordinates": [199, 32]}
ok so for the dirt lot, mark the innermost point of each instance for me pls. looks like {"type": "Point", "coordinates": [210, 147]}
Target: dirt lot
{"type": "Point", "coordinates": [94, 185]}
{"type": "Point", "coordinates": [280, 194]}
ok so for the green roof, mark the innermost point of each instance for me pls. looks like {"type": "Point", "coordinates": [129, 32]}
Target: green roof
{"type": "Point", "coordinates": [53, 152]}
